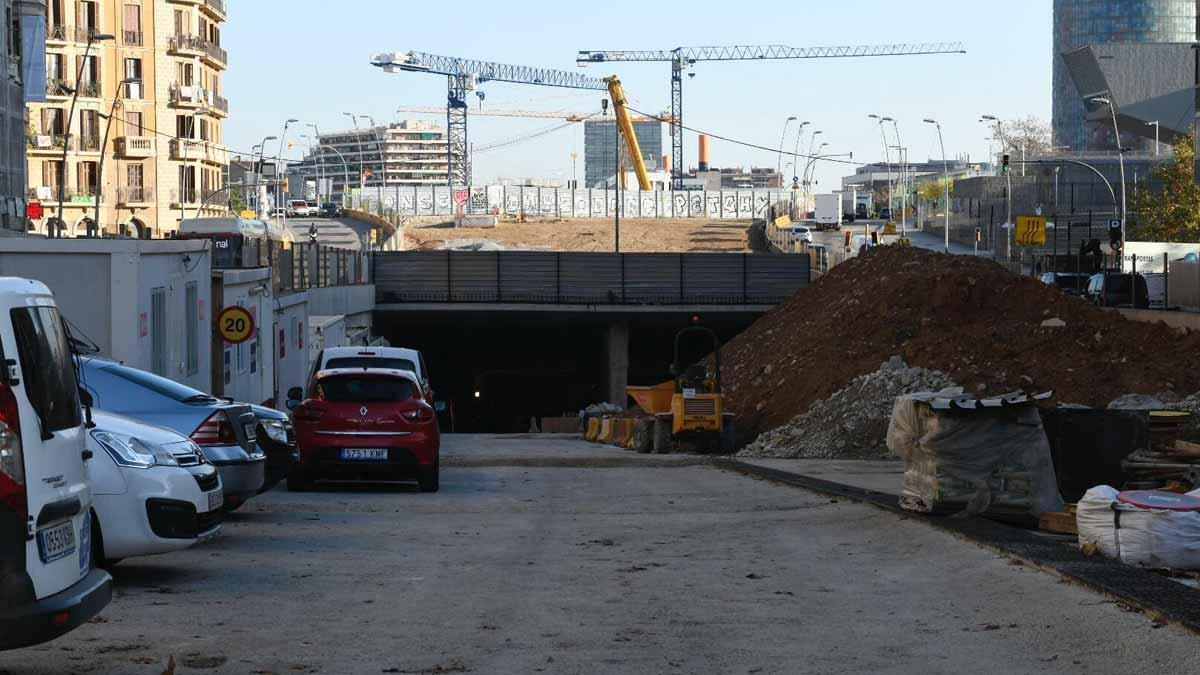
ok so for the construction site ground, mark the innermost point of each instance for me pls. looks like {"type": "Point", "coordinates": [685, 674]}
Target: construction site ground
{"type": "Point", "coordinates": [618, 568]}
{"type": "Point", "coordinates": [638, 235]}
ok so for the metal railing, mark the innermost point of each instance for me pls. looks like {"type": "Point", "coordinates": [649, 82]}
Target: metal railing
{"type": "Point", "coordinates": [220, 103]}
{"type": "Point", "coordinates": [47, 141]}
{"type": "Point", "coordinates": [56, 33]}
{"type": "Point", "coordinates": [134, 194]}
{"type": "Point", "coordinates": [217, 5]}
{"type": "Point", "coordinates": [89, 89]}
{"type": "Point", "coordinates": [216, 53]}
{"type": "Point", "coordinates": [131, 38]}
{"type": "Point", "coordinates": [190, 43]}
{"type": "Point", "coordinates": [56, 86]}
{"type": "Point", "coordinates": [89, 144]}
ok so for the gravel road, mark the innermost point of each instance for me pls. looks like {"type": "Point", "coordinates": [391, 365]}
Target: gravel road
{"type": "Point", "coordinates": [621, 567]}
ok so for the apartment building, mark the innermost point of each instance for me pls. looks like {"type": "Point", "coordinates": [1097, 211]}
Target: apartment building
{"type": "Point", "coordinates": [412, 152]}
{"type": "Point", "coordinates": [21, 42]}
{"type": "Point", "coordinates": [133, 98]}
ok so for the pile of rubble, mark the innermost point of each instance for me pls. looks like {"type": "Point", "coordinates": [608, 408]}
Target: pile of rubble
{"type": "Point", "coordinates": [989, 330]}
{"type": "Point", "coordinates": [851, 424]}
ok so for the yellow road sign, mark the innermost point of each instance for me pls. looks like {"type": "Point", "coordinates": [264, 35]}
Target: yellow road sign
{"type": "Point", "coordinates": [1031, 231]}
{"type": "Point", "coordinates": [235, 324]}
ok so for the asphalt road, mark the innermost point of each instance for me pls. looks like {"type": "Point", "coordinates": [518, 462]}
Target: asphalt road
{"type": "Point", "coordinates": [606, 562]}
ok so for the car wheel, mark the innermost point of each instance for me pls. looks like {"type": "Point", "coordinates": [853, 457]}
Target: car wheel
{"type": "Point", "coordinates": [428, 478]}
{"type": "Point", "coordinates": [98, 558]}
{"type": "Point", "coordinates": [298, 482]}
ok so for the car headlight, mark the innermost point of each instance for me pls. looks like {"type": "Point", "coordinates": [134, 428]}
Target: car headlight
{"type": "Point", "coordinates": [132, 451]}
{"type": "Point", "coordinates": [276, 430]}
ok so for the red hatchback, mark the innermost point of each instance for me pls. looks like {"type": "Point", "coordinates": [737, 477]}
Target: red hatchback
{"type": "Point", "coordinates": [366, 424]}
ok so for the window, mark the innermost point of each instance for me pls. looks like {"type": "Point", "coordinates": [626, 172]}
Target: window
{"type": "Point", "coordinates": [370, 362]}
{"type": "Point", "coordinates": [191, 309]}
{"type": "Point", "coordinates": [364, 389]}
{"type": "Point", "coordinates": [159, 385]}
{"type": "Point", "coordinates": [254, 355]}
{"type": "Point", "coordinates": [180, 22]}
{"type": "Point", "coordinates": [46, 367]}
{"type": "Point", "coordinates": [133, 71]}
{"type": "Point", "coordinates": [185, 74]}
{"type": "Point", "coordinates": [132, 27]}
{"type": "Point", "coordinates": [87, 177]}
{"type": "Point", "coordinates": [228, 370]}
{"type": "Point", "coordinates": [53, 121]}
{"type": "Point", "coordinates": [133, 123]}
{"type": "Point", "coordinates": [185, 126]}
{"type": "Point", "coordinates": [158, 331]}
{"type": "Point", "coordinates": [187, 184]}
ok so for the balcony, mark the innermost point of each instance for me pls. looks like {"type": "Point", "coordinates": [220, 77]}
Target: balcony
{"type": "Point", "coordinates": [84, 34]}
{"type": "Point", "coordinates": [85, 196]}
{"type": "Point", "coordinates": [132, 38]}
{"type": "Point", "coordinates": [135, 147]}
{"type": "Point", "coordinates": [57, 88]}
{"type": "Point", "coordinates": [128, 195]}
{"type": "Point", "coordinates": [215, 55]}
{"type": "Point", "coordinates": [186, 44]}
{"type": "Point", "coordinates": [52, 144]}
{"type": "Point", "coordinates": [199, 151]}
{"type": "Point", "coordinates": [187, 96]}
{"type": "Point", "coordinates": [187, 197]}
{"type": "Point", "coordinates": [220, 105]}
{"type": "Point", "coordinates": [90, 89]}
{"type": "Point", "coordinates": [89, 144]}
{"type": "Point", "coordinates": [57, 33]}
{"type": "Point", "coordinates": [216, 8]}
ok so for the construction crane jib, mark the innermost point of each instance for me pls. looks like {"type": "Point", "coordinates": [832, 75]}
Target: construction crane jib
{"type": "Point", "coordinates": [464, 76]}
{"type": "Point", "coordinates": [617, 93]}
{"type": "Point", "coordinates": [682, 58]}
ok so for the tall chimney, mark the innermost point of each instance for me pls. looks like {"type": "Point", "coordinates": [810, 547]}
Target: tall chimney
{"type": "Point", "coordinates": [703, 165]}
{"type": "Point", "coordinates": [666, 164]}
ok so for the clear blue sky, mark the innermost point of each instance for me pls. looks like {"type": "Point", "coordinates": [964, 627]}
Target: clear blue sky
{"type": "Point", "coordinates": [309, 59]}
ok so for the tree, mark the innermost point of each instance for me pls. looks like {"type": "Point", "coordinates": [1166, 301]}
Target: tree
{"type": "Point", "coordinates": [933, 190]}
{"type": "Point", "coordinates": [1172, 212]}
{"type": "Point", "coordinates": [1029, 133]}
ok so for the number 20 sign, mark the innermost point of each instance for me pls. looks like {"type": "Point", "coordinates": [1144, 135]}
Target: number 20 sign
{"type": "Point", "coordinates": [235, 324]}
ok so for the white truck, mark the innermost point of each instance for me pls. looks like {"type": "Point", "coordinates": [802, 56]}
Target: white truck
{"type": "Point", "coordinates": [829, 212]}
{"type": "Point", "coordinates": [864, 205]}
{"type": "Point", "coordinates": [849, 200]}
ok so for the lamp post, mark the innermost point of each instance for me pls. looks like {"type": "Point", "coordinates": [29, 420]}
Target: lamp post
{"type": "Point", "coordinates": [1121, 158]}
{"type": "Point", "coordinates": [946, 178]}
{"type": "Point", "coordinates": [811, 166]}
{"type": "Point", "coordinates": [574, 172]}
{"type": "Point", "coordinates": [352, 118]}
{"type": "Point", "coordinates": [903, 152]}
{"type": "Point", "coordinates": [1156, 130]}
{"type": "Point", "coordinates": [799, 137]}
{"type": "Point", "coordinates": [887, 157]}
{"type": "Point", "coordinates": [261, 187]}
{"type": "Point", "coordinates": [104, 144]}
{"type": "Point", "coordinates": [62, 168]}
{"type": "Point", "coordinates": [345, 169]}
{"type": "Point", "coordinates": [782, 137]}
{"type": "Point", "coordinates": [282, 217]}
{"type": "Point", "coordinates": [812, 151]}
{"type": "Point", "coordinates": [316, 140]}
{"type": "Point", "coordinates": [1008, 180]}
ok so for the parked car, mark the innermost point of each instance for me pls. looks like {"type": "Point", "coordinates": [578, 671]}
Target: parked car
{"type": "Point", "coordinates": [394, 358]}
{"type": "Point", "coordinates": [1115, 289]}
{"type": "Point", "coordinates": [1071, 283]}
{"type": "Point", "coordinates": [369, 424]}
{"type": "Point", "coordinates": [885, 213]}
{"type": "Point", "coordinates": [226, 432]}
{"type": "Point", "coordinates": [277, 439]}
{"type": "Point", "coordinates": [155, 492]}
{"type": "Point", "coordinates": [801, 233]}
{"type": "Point", "coordinates": [49, 584]}
{"type": "Point", "coordinates": [331, 210]}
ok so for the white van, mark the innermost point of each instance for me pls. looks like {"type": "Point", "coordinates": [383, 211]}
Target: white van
{"type": "Point", "coordinates": [48, 580]}
{"type": "Point", "coordinates": [394, 358]}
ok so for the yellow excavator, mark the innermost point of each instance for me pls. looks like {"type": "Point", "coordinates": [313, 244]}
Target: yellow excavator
{"type": "Point", "coordinates": [689, 411]}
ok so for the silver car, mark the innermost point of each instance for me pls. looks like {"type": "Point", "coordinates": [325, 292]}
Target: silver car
{"type": "Point", "coordinates": [224, 431]}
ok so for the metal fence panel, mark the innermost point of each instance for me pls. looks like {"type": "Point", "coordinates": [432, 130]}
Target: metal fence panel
{"type": "Point", "coordinates": [713, 278]}
{"type": "Point", "coordinates": [774, 278]}
{"type": "Point", "coordinates": [590, 278]}
{"type": "Point", "coordinates": [652, 278]}
{"type": "Point", "coordinates": [412, 276]}
{"type": "Point", "coordinates": [474, 277]}
{"type": "Point", "coordinates": [528, 276]}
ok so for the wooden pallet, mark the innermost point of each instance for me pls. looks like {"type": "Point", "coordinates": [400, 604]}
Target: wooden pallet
{"type": "Point", "coordinates": [1059, 522]}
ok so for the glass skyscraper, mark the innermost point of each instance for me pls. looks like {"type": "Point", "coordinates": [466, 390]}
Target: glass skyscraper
{"type": "Point", "coordinates": [1078, 23]}
{"type": "Point", "coordinates": [599, 137]}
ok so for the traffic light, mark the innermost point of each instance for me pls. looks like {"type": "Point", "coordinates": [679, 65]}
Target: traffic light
{"type": "Point", "coordinates": [1005, 162]}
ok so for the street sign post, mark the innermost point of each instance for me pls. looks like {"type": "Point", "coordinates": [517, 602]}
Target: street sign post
{"type": "Point", "coordinates": [1031, 231]}
{"type": "Point", "coordinates": [235, 324]}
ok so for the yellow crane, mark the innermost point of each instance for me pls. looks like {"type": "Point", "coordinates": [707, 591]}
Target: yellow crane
{"type": "Point", "coordinates": [617, 93]}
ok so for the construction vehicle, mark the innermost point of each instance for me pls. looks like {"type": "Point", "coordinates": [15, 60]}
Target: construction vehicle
{"type": "Point", "coordinates": [829, 212]}
{"type": "Point", "coordinates": [689, 411]}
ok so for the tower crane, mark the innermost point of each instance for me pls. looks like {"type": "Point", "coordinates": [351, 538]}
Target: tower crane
{"type": "Point", "coordinates": [566, 116]}
{"type": "Point", "coordinates": [682, 58]}
{"type": "Point", "coordinates": [464, 76]}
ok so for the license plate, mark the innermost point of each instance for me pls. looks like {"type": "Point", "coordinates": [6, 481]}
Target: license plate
{"type": "Point", "coordinates": [216, 499]}
{"type": "Point", "coordinates": [249, 428]}
{"type": "Point", "coordinates": [689, 393]}
{"type": "Point", "coordinates": [365, 454]}
{"type": "Point", "coordinates": [55, 543]}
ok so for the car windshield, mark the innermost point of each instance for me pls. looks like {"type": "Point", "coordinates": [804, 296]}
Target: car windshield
{"type": "Point", "coordinates": [371, 362]}
{"type": "Point", "coordinates": [159, 385]}
{"type": "Point", "coordinates": [46, 366]}
{"type": "Point", "coordinates": [364, 389]}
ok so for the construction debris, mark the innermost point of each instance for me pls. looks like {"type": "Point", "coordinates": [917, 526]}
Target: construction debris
{"type": "Point", "coordinates": [964, 316]}
{"type": "Point", "coordinates": [853, 422]}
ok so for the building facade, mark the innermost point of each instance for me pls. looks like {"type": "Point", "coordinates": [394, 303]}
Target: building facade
{"type": "Point", "coordinates": [599, 140]}
{"type": "Point", "coordinates": [22, 40]}
{"type": "Point", "coordinates": [412, 152]}
{"type": "Point", "coordinates": [144, 140]}
{"type": "Point", "coordinates": [1080, 23]}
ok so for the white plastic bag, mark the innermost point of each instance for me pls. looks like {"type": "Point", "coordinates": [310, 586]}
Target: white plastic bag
{"type": "Point", "coordinates": [1096, 520]}
{"type": "Point", "coordinates": [1146, 537]}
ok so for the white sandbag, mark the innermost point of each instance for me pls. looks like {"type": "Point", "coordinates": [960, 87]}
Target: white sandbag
{"type": "Point", "coordinates": [1096, 520]}
{"type": "Point", "coordinates": [1138, 536]}
{"type": "Point", "coordinates": [994, 461]}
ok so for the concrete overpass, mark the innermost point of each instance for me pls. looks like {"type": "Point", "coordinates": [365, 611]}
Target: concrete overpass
{"type": "Point", "coordinates": [548, 332]}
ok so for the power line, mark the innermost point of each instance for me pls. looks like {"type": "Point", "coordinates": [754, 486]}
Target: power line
{"type": "Point", "coordinates": [527, 137]}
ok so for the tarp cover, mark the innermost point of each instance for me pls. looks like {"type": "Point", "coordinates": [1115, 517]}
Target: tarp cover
{"type": "Point", "coordinates": [993, 461]}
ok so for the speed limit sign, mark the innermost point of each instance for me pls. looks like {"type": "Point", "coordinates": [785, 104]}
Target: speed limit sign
{"type": "Point", "coordinates": [235, 324]}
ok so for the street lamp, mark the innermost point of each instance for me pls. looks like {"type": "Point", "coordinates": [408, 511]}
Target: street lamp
{"type": "Point", "coordinates": [1156, 130]}
{"type": "Point", "coordinates": [945, 177]}
{"type": "Point", "coordinates": [887, 157]}
{"type": "Point", "coordinates": [104, 144]}
{"type": "Point", "coordinates": [782, 137]}
{"type": "Point", "coordinates": [811, 165]}
{"type": "Point", "coordinates": [1008, 179]}
{"type": "Point", "coordinates": [1121, 157]}
{"type": "Point", "coordinates": [261, 188]}
{"type": "Point", "coordinates": [352, 118]}
{"type": "Point", "coordinates": [282, 219]}
{"type": "Point", "coordinates": [904, 178]}
{"type": "Point", "coordinates": [62, 168]}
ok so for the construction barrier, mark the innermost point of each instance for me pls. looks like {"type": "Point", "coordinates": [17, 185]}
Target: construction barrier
{"type": "Point", "coordinates": [593, 430]}
{"type": "Point", "coordinates": [624, 432]}
{"type": "Point", "coordinates": [607, 430]}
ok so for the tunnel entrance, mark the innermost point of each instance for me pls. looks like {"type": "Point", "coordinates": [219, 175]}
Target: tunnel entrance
{"type": "Point", "coordinates": [493, 371]}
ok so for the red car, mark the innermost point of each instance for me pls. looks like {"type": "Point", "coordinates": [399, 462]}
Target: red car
{"type": "Point", "coordinates": [366, 424]}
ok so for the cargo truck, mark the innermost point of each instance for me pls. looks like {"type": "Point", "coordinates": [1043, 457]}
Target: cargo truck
{"type": "Point", "coordinates": [864, 205]}
{"type": "Point", "coordinates": [829, 212]}
{"type": "Point", "coordinates": [849, 204]}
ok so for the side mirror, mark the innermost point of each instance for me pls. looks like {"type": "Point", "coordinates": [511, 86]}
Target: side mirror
{"type": "Point", "coordinates": [85, 397]}
{"type": "Point", "coordinates": [295, 394]}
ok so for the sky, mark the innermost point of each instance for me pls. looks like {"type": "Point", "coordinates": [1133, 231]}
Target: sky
{"type": "Point", "coordinates": [310, 60]}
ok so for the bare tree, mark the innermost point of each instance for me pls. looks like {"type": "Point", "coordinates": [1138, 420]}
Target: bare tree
{"type": "Point", "coordinates": [1030, 133]}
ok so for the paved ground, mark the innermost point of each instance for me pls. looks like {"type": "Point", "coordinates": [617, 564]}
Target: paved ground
{"type": "Point", "coordinates": [340, 232]}
{"type": "Point", "coordinates": [582, 569]}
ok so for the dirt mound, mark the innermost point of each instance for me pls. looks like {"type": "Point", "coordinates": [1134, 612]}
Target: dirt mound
{"type": "Point", "coordinates": [852, 423]}
{"type": "Point", "coordinates": [985, 328]}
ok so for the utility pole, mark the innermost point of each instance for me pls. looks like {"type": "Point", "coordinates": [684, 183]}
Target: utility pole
{"type": "Point", "coordinates": [946, 178]}
{"type": "Point", "coordinates": [887, 157]}
{"type": "Point", "coordinates": [1008, 177]}
{"type": "Point", "coordinates": [1121, 157]}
